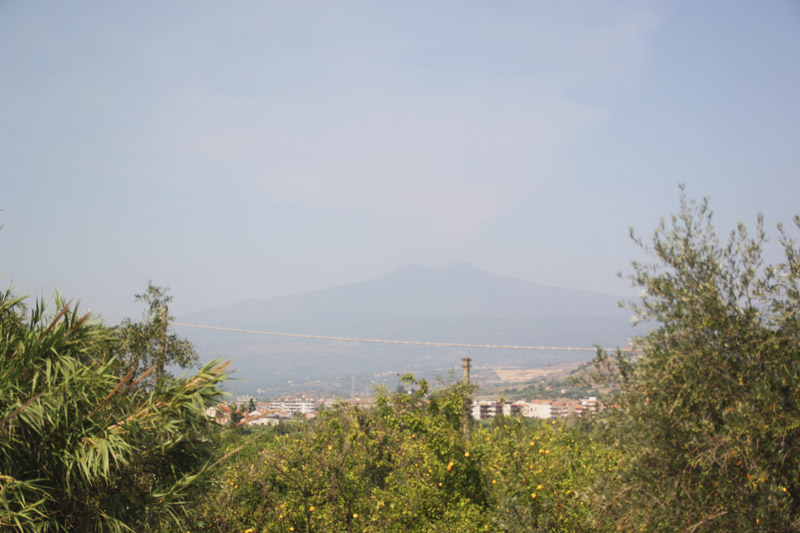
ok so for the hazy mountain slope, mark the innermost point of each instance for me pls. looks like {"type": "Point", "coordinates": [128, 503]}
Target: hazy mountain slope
{"type": "Point", "coordinates": [459, 303]}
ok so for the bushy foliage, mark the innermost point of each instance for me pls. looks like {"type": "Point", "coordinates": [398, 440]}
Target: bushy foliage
{"type": "Point", "coordinates": [708, 410]}
{"type": "Point", "coordinates": [406, 465]}
{"type": "Point", "coordinates": [83, 446]}
{"type": "Point", "coordinates": [541, 474]}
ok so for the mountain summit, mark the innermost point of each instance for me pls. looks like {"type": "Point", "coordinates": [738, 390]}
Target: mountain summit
{"type": "Point", "coordinates": [459, 291]}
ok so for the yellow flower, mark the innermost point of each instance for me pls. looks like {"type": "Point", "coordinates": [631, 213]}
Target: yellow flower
{"type": "Point", "coordinates": [533, 495]}
{"type": "Point", "coordinates": [355, 515]}
{"type": "Point", "coordinates": [466, 454]}
{"type": "Point", "coordinates": [538, 487]}
{"type": "Point", "coordinates": [311, 509]}
{"type": "Point", "coordinates": [248, 530]}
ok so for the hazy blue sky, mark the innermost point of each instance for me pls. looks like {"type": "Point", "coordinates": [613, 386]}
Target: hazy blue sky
{"type": "Point", "coordinates": [253, 149]}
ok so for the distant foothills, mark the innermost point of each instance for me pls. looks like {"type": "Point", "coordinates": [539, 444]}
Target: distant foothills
{"type": "Point", "coordinates": [457, 304]}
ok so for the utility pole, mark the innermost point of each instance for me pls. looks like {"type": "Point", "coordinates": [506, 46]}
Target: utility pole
{"type": "Point", "coordinates": [465, 365]}
{"type": "Point", "coordinates": [468, 408]}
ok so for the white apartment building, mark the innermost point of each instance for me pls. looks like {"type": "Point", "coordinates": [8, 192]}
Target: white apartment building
{"type": "Point", "coordinates": [244, 401]}
{"type": "Point", "coordinates": [293, 405]}
{"type": "Point", "coordinates": [591, 404]}
{"type": "Point", "coordinates": [485, 409]}
{"type": "Point", "coordinates": [546, 409]}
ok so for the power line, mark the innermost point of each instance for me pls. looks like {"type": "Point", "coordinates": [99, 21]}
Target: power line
{"type": "Point", "coordinates": [392, 341]}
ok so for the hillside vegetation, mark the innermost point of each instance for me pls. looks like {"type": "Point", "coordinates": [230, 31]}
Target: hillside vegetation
{"type": "Point", "coordinates": [701, 433]}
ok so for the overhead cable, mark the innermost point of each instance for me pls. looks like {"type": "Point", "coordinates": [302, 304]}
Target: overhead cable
{"type": "Point", "coordinates": [392, 341]}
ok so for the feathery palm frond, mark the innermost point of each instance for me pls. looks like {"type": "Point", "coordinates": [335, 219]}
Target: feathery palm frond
{"type": "Point", "coordinates": [81, 446]}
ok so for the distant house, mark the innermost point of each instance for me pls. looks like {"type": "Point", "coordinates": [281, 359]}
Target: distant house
{"type": "Point", "coordinates": [220, 413]}
{"type": "Point", "coordinates": [262, 418]}
{"type": "Point", "coordinates": [264, 421]}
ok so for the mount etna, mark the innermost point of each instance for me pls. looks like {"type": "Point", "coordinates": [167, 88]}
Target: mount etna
{"type": "Point", "coordinates": [455, 304]}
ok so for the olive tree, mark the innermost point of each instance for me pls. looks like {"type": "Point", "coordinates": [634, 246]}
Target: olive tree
{"type": "Point", "coordinates": [708, 406]}
{"type": "Point", "coordinates": [149, 341]}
